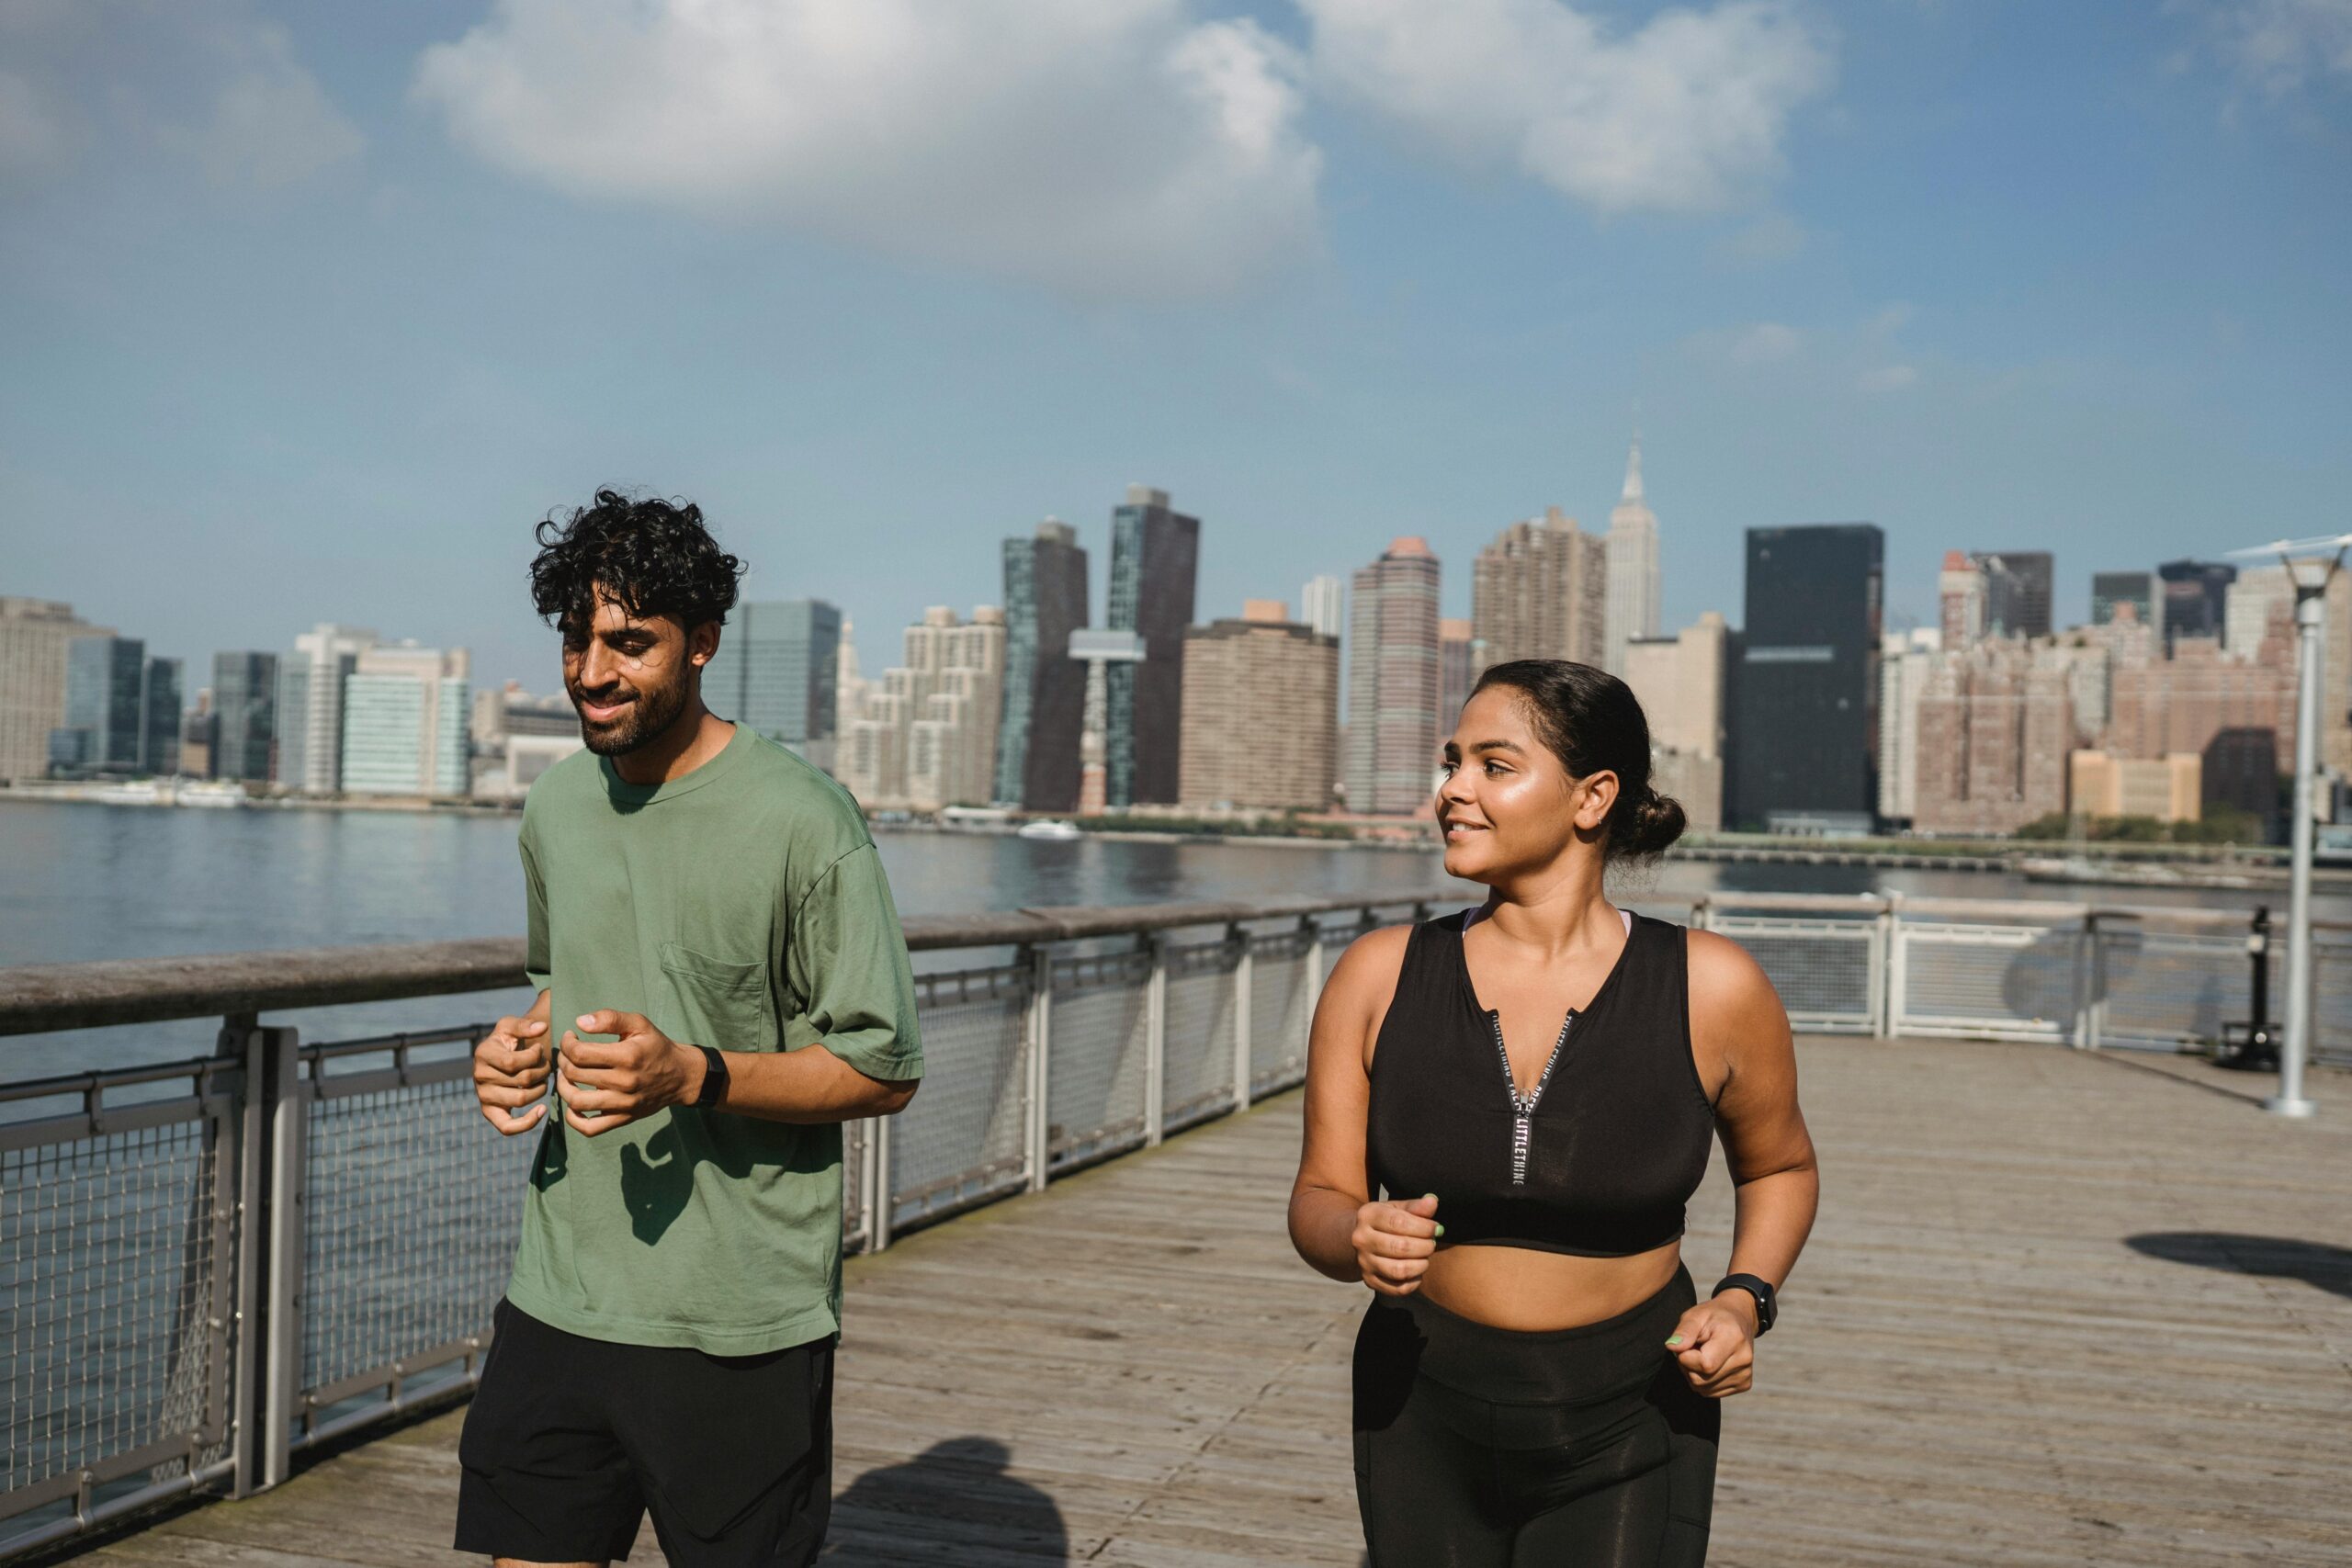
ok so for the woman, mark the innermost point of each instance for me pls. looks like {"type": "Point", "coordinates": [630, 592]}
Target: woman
{"type": "Point", "coordinates": [1536, 1378]}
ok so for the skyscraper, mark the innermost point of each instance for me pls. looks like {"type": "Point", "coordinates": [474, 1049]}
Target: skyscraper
{"type": "Point", "coordinates": [310, 705]}
{"type": "Point", "coordinates": [405, 717]}
{"type": "Point", "coordinates": [244, 714]}
{"type": "Point", "coordinates": [2196, 598]}
{"type": "Point", "coordinates": [106, 708]}
{"type": "Point", "coordinates": [927, 736]}
{"type": "Point", "coordinates": [1540, 591]}
{"type": "Point", "coordinates": [1155, 559]}
{"type": "Point", "coordinates": [1394, 682]}
{"type": "Point", "coordinates": [1803, 741]}
{"type": "Point", "coordinates": [2017, 591]}
{"type": "Point", "coordinates": [776, 670]}
{"type": "Point", "coordinates": [1045, 689]}
{"type": "Point", "coordinates": [35, 635]}
{"type": "Point", "coordinates": [1961, 597]}
{"type": "Point", "coordinates": [159, 748]}
{"type": "Point", "coordinates": [1905, 660]}
{"type": "Point", "coordinates": [1679, 681]}
{"type": "Point", "coordinates": [1260, 713]}
{"type": "Point", "coordinates": [1458, 668]}
{"type": "Point", "coordinates": [1323, 605]}
{"type": "Point", "coordinates": [1996, 728]}
{"type": "Point", "coordinates": [1633, 574]}
{"type": "Point", "coordinates": [2137, 589]}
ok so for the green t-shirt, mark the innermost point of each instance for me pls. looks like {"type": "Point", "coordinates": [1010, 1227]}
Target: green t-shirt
{"type": "Point", "coordinates": [743, 907]}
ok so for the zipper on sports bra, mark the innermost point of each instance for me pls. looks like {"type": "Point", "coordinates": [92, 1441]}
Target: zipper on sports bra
{"type": "Point", "coordinates": [1523, 1105]}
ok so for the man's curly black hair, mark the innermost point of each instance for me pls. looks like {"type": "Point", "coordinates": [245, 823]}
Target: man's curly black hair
{"type": "Point", "coordinates": [653, 556]}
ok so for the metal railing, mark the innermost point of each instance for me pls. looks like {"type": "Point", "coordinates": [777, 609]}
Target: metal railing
{"type": "Point", "coordinates": [207, 1267]}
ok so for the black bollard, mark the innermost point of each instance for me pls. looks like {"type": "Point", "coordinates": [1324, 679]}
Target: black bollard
{"type": "Point", "coordinates": [2253, 1045]}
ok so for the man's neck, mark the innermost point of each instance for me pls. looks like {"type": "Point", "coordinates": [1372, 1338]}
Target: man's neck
{"type": "Point", "coordinates": [698, 736]}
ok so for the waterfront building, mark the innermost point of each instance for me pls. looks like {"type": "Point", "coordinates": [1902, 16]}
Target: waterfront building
{"type": "Point", "coordinates": [2196, 598]}
{"type": "Point", "coordinates": [1905, 659]}
{"type": "Point", "coordinates": [1996, 728]}
{"type": "Point", "coordinates": [2241, 769]}
{"type": "Point", "coordinates": [1679, 681]}
{"type": "Point", "coordinates": [1044, 690]}
{"type": "Point", "coordinates": [1154, 561]}
{"type": "Point", "coordinates": [871, 761]}
{"type": "Point", "coordinates": [199, 736]}
{"type": "Point", "coordinates": [35, 635]}
{"type": "Point", "coordinates": [245, 716]}
{"type": "Point", "coordinates": [777, 670]}
{"type": "Point", "coordinates": [1394, 682]}
{"type": "Point", "coordinates": [928, 737]}
{"type": "Point", "coordinates": [2258, 606]}
{"type": "Point", "coordinates": [1458, 666]}
{"type": "Point", "coordinates": [1540, 591]}
{"type": "Point", "coordinates": [404, 722]}
{"type": "Point", "coordinates": [2169, 788]}
{"type": "Point", "coordinates": [1803, 749]}
{"type": "Point", "coordinates": [2112, 589]}
{"type": "Point", "coordinates": [2017, 586]}
{"type": "Point", "coordinates": [106, 709]}
{"type": "Point", "coordinates": [1261, 713]}
{"type": "Point", "coordinates": [2178, 704]}
{"type": "Point", "coordinates": [1099, 651]}
{"type": "Point", "coordinates": [1630, 573]}
{"type": "Point", "coordinates": [1323, 605]}
{"type": "Point", "coordinates": [161, 717]}
{"type": "Point", "coordinates": [310, 705]}
{"type": "Point", "coordinates": [1960, 596]}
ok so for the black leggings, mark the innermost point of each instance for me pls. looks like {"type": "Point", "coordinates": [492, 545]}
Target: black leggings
{"type": "Point", "coordinates": [1484, 1448]}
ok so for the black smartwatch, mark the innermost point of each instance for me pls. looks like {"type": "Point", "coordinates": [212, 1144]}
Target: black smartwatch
{"type": "Point", "coordinates": [714, 1078]}
{"type": "Point", "coordinates": [1758, 1288]}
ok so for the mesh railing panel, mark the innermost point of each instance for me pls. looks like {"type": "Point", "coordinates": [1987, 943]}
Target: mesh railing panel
{"type": "Point", "coordinates": [1279, 1005]}
{"type": "Point", "coordinates": [116, 1265]}
{"type": "Point", "coordinates": [853, 1136]}
{"type": "Point", "coordinates": [1199, 1042]}
{"type": "Point", "coordinates": [963, 1136]}
{"type": "Point", "coordinates": [2010, 982]}
{"type": "Point", "coordinates": [2331, 995]}
{"type": "Point", "coordinates": [1100, 1044]}
{"type": "Point", "coordinates": [1825, 970]}
{"type": "Point", "coordinates": [411, 1213]}
{"type": "Point", "coordinates": [2173, 988]}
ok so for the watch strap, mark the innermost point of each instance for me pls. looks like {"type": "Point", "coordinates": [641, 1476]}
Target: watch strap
{"type": "Point", "coordinates": [1767, 1299]}
{"type": "Point", "coordinates": [714, 1077]}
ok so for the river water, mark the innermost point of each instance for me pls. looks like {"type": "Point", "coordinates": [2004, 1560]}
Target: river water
{"type": "Point", "coordinates": [81, 880]}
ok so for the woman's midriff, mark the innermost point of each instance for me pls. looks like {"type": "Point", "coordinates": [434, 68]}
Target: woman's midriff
{"type": "Point", "coordinates": [1532, 1291]}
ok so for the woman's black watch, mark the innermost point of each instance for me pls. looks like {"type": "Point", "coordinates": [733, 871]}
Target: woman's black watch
{"type": "Point", "coordinates": [1760, 1289]}
{"type": "Point", "coordinates": [714, 1077]}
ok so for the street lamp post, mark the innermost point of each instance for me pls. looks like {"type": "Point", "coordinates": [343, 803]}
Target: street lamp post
{"type": "Point", "coordinates": [2309, 564]}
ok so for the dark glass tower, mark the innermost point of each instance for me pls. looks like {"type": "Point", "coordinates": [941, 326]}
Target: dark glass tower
{"type": "Point", "coordinates": [2137, 589]}
{"type": "Point", "coordinates": [2197, 597]}
{"type": "Point", "coordinates": [2018, 584]}
{"type": "Point", "coordinates": [1045, 689]}
{"type": "Point", "coordinates": [244, 714]}
{"type": "Point", "coordinates": [1155, 559]}
{"type": "Point", "coordinates": [1804, 731]}
{"type": "Point", "coordinates": [776, 670]}
{"type": "Point", "coordinates": [106, 703]}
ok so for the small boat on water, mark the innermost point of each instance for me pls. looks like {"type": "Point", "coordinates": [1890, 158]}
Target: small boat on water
{"type": "Point", "coordinates": [2128, 873]}
{"type": "Point", "coordinates": [214, 793]}
{"type": "Point", "coordinates": [1051, 831]}
{"type": "Point", "coordinates": [142, 791]}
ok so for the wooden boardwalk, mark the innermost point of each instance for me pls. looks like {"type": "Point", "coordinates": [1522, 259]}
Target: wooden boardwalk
{"type": "Point", "coordinates": [2061, 1308]}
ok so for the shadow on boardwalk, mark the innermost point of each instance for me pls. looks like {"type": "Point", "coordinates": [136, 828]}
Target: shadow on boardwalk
{"type": "Point", "coordinates": [952, 1503]}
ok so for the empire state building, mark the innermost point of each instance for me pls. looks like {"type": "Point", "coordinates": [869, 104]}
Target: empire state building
{"type": "Point", "coordinates": [1633, 568]}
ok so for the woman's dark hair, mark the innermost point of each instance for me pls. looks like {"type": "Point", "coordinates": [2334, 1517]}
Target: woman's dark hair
{"type": "Point", "coordinates": [1593, 724]}
{"type": "Point", "coordinates": [654, 557]}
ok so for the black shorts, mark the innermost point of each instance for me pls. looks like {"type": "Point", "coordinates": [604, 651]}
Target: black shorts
{"type": "Point", "coordinates": [571, 1441]}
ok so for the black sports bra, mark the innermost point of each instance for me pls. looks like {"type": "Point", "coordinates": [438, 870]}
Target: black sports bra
{"type": "Point", "coordinates": [1599, 1160]}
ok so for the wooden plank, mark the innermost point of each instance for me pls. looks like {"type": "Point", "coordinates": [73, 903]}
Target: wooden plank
{"type": "Point", "coordinates": [2061, 1308]}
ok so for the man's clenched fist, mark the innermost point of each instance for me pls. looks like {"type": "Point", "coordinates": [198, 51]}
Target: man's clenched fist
{"type": "Point", "coordinates": [510, 1073]}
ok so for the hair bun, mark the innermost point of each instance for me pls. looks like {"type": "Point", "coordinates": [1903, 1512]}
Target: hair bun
{"type": "Point", "coordinates": [1653, 823]}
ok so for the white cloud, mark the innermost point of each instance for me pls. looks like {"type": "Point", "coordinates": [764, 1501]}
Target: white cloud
{"type": "Point", "coordinates": [1763, 343]}
{"type": "Point", "coordinates": [269, 123]}
{"type": "Point", "coordinates": [1684, 114]}
{"type": "Point", "coordinates": [2280, 45]}
{"type": "Point", "coordinates": [1888, 379]}
{"type": "Point", "coordinates": [1113, 148]}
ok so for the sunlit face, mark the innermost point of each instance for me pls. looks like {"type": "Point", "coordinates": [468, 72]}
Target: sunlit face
{"type": "Point", "coordinates": [629, 678]}
{"type": "Point", "coordinates": [1505, 803]}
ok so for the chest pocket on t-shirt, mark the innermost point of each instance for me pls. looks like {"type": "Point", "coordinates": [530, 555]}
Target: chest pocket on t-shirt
{"type": "Point", "coordinates": [719, 1003]}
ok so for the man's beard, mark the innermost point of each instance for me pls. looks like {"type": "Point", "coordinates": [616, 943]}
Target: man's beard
{"type": "Point", "coordinates": [642, 720]}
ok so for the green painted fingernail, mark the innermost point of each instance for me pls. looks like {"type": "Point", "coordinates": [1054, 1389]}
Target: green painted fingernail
{"type": "Point", "coordinates": [1440, 1230]}
{"type": "Point", "coordinates": [1676, 1340]}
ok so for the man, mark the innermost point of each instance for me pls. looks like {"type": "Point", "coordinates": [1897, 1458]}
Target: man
{"type": "Point", "coordinates": [709, 921]}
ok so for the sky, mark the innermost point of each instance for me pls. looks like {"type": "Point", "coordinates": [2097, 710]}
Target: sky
{"type": "Point", "coordinates": [310, 311]}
